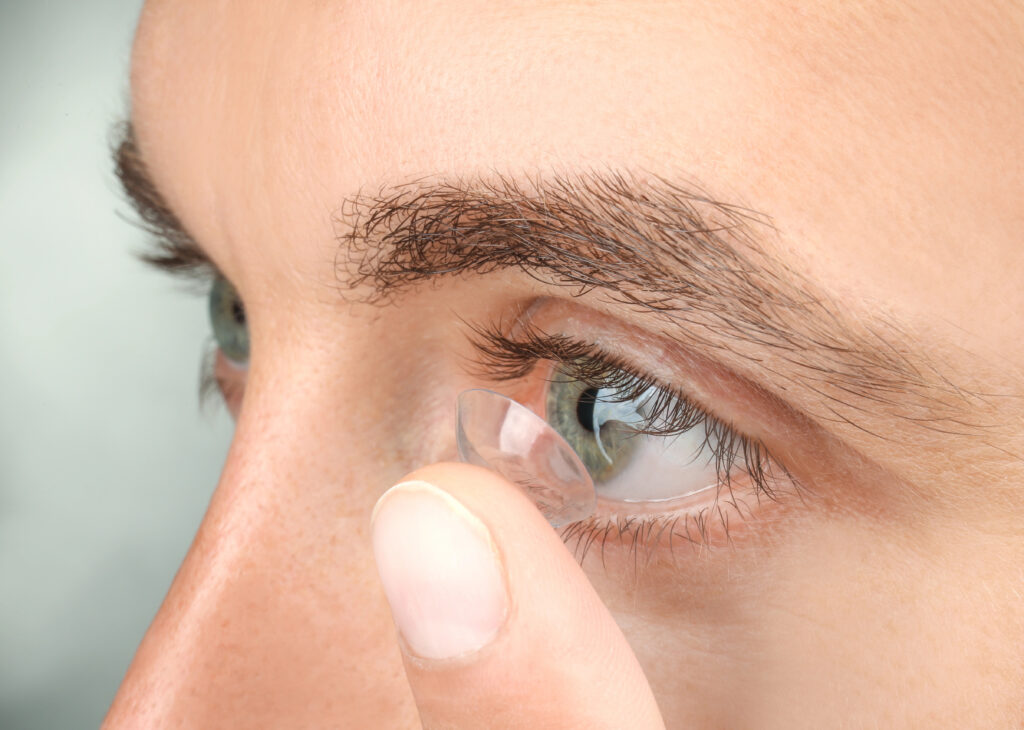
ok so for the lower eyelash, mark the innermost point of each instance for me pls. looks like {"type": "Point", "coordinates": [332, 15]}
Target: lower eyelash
{"type": "Point", "coordinates": [208, 385]}
{"type": "Point", "coordinates": [645, 536]}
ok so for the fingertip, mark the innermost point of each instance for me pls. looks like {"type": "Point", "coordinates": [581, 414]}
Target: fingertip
{"type": "Point", "coordinates": [440, 570]}
{"type": "Point", "coordinates": [487, 494]}
{"type": "Point", "coordinates": [475, 574]}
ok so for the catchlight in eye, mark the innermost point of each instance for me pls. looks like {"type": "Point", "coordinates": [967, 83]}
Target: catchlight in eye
{"type": "Point", "coordinates": [496, 432]}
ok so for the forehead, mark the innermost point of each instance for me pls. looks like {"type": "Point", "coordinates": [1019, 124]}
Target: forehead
{"type": "Point", "coordinates": [850, 126]}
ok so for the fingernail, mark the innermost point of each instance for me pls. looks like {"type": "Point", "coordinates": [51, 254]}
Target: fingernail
{"type": "Point", "coordinates": [440, 570]}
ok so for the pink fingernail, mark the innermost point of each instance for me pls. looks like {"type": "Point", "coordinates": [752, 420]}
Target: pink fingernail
{"type": "Point", "coordinates": [440, 570]}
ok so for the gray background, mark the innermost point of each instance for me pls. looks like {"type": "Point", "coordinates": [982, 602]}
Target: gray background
{"type": "Point", "coordinates": [106, 462]}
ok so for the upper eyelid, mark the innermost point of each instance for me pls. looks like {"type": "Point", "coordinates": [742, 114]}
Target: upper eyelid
{"type": "Point", "coordinates": [508, 358]}
{"type": "Point", "coordinates": [716, 389]}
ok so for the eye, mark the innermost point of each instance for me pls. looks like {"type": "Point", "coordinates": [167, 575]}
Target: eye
{"type": "Point", "coordinates": [667, 468]}
{"type": "Point", "coordinates": [615, 432]}
{"type": "Point", "coordinates": [596, 427]}
{"type": "Point", "coordinates": [228, 321]}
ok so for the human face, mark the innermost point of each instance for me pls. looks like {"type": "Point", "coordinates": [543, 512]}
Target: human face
{"type": "Point", "coordinates": [863, 326]}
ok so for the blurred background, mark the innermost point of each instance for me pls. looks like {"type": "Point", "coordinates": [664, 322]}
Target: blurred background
{"type": "Point", "coordinates": [106, 461]}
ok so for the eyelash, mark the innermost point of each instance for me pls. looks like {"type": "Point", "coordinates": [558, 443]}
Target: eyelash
{"type": "Point", "coordinates": [502, 358]}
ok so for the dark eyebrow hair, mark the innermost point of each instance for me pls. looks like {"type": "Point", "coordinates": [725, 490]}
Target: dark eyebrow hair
{"type": "Point", "coordinates": [658, 245]}
{"type": "Point", "coordinates": [645, 241]}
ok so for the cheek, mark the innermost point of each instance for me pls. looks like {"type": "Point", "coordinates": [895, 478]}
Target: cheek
{"type": "Point", "coordinates": [868, 623]}
{"type": "Point", "coordinates": [885, 623]}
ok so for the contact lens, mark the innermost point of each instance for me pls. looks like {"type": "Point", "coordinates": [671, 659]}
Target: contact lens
{"type": "Point", "coordinates": [498, 433]}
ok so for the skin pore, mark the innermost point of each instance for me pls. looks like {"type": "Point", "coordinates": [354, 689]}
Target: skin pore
{"type": "Point", "coordinates": [876, 148]}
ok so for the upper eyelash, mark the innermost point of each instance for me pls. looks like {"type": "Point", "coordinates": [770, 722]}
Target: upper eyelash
{"type": "Point", "coordinates": [177, 259]}
{"type": "Point", "coordinates": [184, 262]}
{"type": "Point", "coordinates": [504, 358]}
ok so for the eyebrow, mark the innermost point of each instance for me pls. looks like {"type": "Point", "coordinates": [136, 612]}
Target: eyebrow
{"type": "Point", "coordinates": [648, 242]}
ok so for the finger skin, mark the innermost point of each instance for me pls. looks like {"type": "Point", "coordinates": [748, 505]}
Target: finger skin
{"type": "Point", "coordinates": [559, 660]}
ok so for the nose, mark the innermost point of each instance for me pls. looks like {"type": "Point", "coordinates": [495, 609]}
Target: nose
{"type": "Point", "coordinates": [276, 617]}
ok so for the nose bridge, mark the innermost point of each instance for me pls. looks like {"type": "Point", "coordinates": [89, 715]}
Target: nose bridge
{"type": "Point", "coordinates": [276, 617]}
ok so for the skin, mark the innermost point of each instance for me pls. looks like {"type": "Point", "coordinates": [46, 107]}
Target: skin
{"type": "Point", "coordinates": [883, 141]}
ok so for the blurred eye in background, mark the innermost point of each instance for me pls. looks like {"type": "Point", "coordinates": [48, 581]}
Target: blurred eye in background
{"type": "Point", "coordinates": [228, 321]}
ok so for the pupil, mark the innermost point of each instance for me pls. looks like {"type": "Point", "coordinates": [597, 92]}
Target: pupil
{"type": "Point", "coordinates": [238, 312]}
{"type": "Point", "coordinates": [585, 408]}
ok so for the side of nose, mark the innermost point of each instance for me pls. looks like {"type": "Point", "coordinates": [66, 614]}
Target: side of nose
{"type": "Point", "coordinates": [276, 617]}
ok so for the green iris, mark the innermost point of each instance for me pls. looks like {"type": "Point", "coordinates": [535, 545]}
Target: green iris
{"type": "Point", "coordinates": [227, 319]}
{"type": "Point", "coordinates": [595, 427]}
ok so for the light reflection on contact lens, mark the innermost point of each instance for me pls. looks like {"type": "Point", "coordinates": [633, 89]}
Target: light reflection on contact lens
{"type": "Point", "coordinates": [496, 432]}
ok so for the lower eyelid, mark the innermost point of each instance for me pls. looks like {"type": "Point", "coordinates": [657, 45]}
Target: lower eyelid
{"type": "Point", "coordinates": [229, 378]}
{"type": "Point", "coordinates": [726, 518]}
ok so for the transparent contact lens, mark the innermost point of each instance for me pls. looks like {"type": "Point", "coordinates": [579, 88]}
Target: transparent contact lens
{"type": "Point", "coordinates": [496, 432]}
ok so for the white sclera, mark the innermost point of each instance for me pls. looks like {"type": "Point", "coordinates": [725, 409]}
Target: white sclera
{"type": "Point", "coordinates": [496, 432]}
